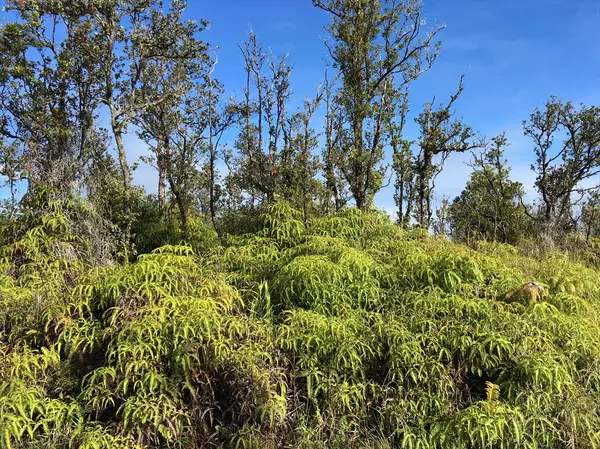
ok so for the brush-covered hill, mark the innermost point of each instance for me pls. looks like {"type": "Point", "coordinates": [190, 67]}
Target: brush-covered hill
{"type": "Point", "coordinates": [342, 332]}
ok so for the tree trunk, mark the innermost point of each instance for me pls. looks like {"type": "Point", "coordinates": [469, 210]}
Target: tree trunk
{"type": "Point", "coordinates": [161, 190]}
{"type": "Point", "coordinates": [424, 193]}
{"type": "Point", "coordinates": [125, 172]}
{"type": "Point", "coordinates": [211, 196]}
{"type": "Point", "coordinates": [160, 165]}
{"type": "Point", "coordinates": [360, 187]}
{"type": "Point", "coordinates": [359, 200]}
{"type": "Point", "coordinates": [422, 200]}
{"type": "Point", "coordinates": [181, 206]}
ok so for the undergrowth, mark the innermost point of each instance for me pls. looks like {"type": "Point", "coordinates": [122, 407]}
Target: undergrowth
{"type": "Point", "coordinates": [343, 331]}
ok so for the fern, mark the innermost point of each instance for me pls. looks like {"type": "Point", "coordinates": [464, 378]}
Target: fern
{"type": "Point", "coordinates": [344, 331]}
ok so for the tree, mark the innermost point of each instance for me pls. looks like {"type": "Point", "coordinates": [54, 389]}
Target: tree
{"type": "Point", "coordinates": [403, 166]}
{"type": "Point", "coordinates": [10, 164]}
{"type": "Point", "coordinates": [174, 127]}
{"type": "Point", "coordinates": [590, 215]}
{"type": "Point", "coordinates": [124, 38]}
{"type": "Point", "coordinates": [191, 109]}
{"type": "Point", "coordinates": [378, 48]}
{"type": "Point", "coordinates": [263, 112]}
{"type": "Point", "coordinates": [404, 184]}
{"type": "Point", "coordinates": [440, 223]}
{"type": "Point", "coordinates": [217, 122]}
{"type": "Point", "coordinates": [333, 150]}
{"type": "Point", "coordinates": [47, 98]}
{"type": "Point", "coordinates": [298, 164]}
{"type": "Point", "coordinates": [490, 207]}
{"type": "Point", "coordinates": [561, 168]}
{"type": "Point", "coordinates": [440, 135]}
{"type": "Point", "coordinates": [104, 187]}
{"type": "Point", "coordinates": [66, 59]}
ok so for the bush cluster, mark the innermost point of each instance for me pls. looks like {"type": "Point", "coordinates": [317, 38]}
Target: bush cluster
{"type": "Point", "coordinates": [342, 331]}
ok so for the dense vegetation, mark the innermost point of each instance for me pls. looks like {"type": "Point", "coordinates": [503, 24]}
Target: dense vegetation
{"type": "Point", "coordinates": [259, 299]}
{"type": "Point", "coordinates": [345, 331]}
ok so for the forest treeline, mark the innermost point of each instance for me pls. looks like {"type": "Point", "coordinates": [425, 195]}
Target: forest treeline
{"type": "Point", "coordinates": [259, 299]}
{"type": "Point", "coordinates": [77, 76]}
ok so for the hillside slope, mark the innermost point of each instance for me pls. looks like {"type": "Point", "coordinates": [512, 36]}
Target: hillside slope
{"type": "Point", "coordinates": [342, 332]}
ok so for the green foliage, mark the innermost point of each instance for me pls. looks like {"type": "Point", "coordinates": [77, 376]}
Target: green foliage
{"type": "Point", "coordinates": [379, 48]}
{"type": "Point", "coordinates": [561, 166]}
{"type": "Point", "coordinates": [344, 332]}
{"type": "Point", "coordinates": [490, 206]}
{"type": "Point", "coordinates": [441, 134]}
{"type": "Point", "coordinates": [287, 329]}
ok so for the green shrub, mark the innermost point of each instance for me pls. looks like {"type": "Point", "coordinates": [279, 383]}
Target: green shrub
{"type": "Point", "coordinates": [342, 332]}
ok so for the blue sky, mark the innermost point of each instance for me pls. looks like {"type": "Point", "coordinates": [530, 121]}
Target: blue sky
{"type": "Point", "coordinates": [514, 53]}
